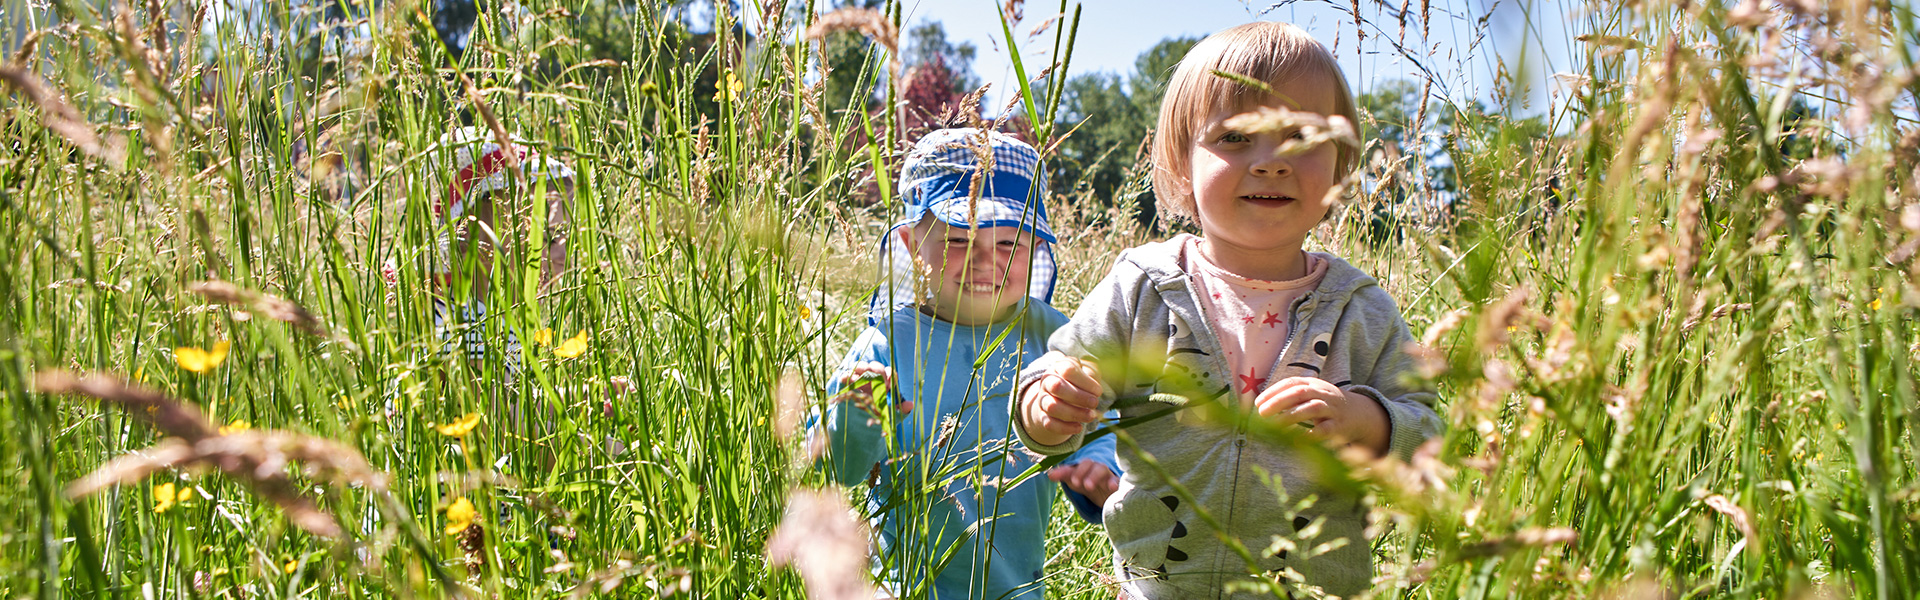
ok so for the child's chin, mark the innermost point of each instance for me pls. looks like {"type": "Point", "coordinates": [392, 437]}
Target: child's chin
{"type": "Point", "coordinates": [983, 309]}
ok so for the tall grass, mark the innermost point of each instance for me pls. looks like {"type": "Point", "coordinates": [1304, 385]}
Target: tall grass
{"type": "Point", "coordinates": [1674, 332]}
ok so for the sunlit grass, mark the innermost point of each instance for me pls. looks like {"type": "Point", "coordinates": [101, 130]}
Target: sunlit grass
{"type": "Point", "coordinates": [1673, 326]}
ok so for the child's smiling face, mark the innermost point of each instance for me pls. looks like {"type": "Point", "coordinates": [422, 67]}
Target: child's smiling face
{"type": "Point", "coordinates": [1250, 200]}
{"type": "Point", "coordinates": [974, 282]}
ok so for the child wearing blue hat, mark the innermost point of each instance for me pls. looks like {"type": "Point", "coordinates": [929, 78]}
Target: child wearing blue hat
{"type": "Point", "coordinates": [963, 309]}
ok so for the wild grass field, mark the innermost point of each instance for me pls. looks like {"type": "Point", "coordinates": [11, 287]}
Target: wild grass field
{"type": "Point", "coordinates": [1670, 315]}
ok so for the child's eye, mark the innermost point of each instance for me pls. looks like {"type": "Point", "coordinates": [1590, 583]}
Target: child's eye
{"type": "Point", "coordinates": [1297, 135]}
{"type": "Point", "coordinates": [1233, 137]}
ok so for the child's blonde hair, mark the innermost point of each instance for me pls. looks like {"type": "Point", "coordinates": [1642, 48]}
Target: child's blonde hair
{"type": "Point", "coordinates": [1273, 53]}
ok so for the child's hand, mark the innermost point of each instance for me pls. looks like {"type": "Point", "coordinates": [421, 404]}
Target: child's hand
{"type": "Point", "coordinates": [1089, 478]}
{"type": "Point", "coordinates": [858, 386]}
{"type": "Point", "coordinates": [1334, 414]}
{"type": "Point", "coordinates": [1062, 401]}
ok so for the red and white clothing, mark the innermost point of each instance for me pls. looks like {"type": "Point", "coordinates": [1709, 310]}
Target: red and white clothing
{"type": "Point", "coordinates": [473, 163]}
{"type": "Point", "coordinates": [1250, 316]}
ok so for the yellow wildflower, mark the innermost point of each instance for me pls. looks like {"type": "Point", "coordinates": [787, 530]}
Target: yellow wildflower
{"type": "Point", "coordinates": [730, 90]}
{"type": "Point", "coordinates": [460, 515]}
{"type": "Point", "coordinates": [200, 361]}
{"type": "Point", "coordinates": [235, 426]}
{"type": "Point", "coordinates": [806, 313]}
{"type": "Point", "coordinates": [291, 566]}
{"type": "Point", "coordinates": [543, 337]}
{"type": "Point", "coordinates": [166, 496]}
{"type": "Point", "coordinates": [461, 427]}
{"type": "Point", "coordinates": [574, 346]}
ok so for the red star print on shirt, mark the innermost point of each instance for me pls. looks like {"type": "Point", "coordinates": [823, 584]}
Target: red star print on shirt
{"type": "Point", "coordinates": [1272, 319]}
{"type": "Point", "coordinates": [1251, 381]}
{"type": "Point", "coordinates": [1248, 319]}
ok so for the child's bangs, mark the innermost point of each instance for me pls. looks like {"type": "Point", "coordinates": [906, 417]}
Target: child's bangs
{"type": "Point", "coordinates": [1290, 60]}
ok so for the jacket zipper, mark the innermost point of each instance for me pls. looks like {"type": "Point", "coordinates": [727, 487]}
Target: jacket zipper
{"type": "Point", "coordinates": [1293, 331]}
{"type": "Point", "coordinates": [1240, 433]}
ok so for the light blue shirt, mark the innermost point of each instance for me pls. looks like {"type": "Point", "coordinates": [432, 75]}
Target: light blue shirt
{"type": "Point", "coordinates": [940, 490]}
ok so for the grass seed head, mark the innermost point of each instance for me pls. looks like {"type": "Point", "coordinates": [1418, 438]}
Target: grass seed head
{"type": "Point", "coordinates": [255, 458]}
{"type": "Point", "coordinates": [273, 307]}
{"type": "Point", "coordinates": [789, 402]}
{"type": "Point", "coordinates": [60, 117]}
{"type": "Point", "coordinates": [820, 538]}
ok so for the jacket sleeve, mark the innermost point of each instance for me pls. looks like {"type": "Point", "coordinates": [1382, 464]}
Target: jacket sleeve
{"type": "Point", "coordinates": [1099, 331]}
{"type": "Point", "coordinates": [855, 442]}
{"type": "Point", "coordinates": [1410, 406]}
{"type": "Point", "coordinates": [1099, 451]}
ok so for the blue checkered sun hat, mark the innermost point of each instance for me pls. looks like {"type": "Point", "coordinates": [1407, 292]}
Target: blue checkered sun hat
{"type": "Point", "coordinates": [938, 180]}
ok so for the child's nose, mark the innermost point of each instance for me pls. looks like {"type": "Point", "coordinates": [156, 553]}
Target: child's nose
{"type": "Point", "coordinates": [1268, 161]}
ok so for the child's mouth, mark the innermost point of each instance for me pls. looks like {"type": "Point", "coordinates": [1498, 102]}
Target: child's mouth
{"type": "Point", "coordinates": [1267, 198]}
{"type": "Point", "coordinates": [980, 288]}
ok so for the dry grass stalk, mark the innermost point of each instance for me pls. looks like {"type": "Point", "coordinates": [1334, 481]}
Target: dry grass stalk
{"type": "Point", "coordinates": [27, 46]}
{"type": "Point", "coordinates": [255, 458]}
{"type": "Point", "coordinates": [1315, 129]}
{"type": "Point", "coordinates": [1724, 506]}
{"type": "Point", "coordinates": [1507, 312]}
{"type": "Point", "coordinates": [500, 135]}
{"type": "Point", "coordinates": [1531, 537]}
{"type": "Point", "coordinates": [148, 77]}
{"type": "Point", "coordinates": [56, 114]}
{"type": "Point", "coordinates": [789, 403]}
{"type": "Point", "coordinates": [274, 307]}
{"type": "Point", "coordinates": [970, 106]}
{"type": "Point", "coordinates": [871, 23]}
{"type": "Point", "coordinates": [823, 541]}
{"type": "Point", "coordinates": [157, 32]}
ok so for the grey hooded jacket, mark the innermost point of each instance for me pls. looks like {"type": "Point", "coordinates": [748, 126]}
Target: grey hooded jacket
{"type": "Point", "coordinates": [1144, 328]}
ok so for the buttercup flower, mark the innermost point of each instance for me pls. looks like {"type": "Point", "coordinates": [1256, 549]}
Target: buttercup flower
{"type": "Point", "coordinates": [574, 346]}
{"type": "Point", "coordinates": [166, 496]}
{"type": "Point", "coordinates": [201, 361]}
{"type": "Point", "coordinates": [459, 428]}
{"type": "Point", "coordinates": [460, 515]}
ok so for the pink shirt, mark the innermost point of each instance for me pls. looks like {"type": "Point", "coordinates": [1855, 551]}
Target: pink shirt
{"type": "Point", "coordinates": [1249, 315]}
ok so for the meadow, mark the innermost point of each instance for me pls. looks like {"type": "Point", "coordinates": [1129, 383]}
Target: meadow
{"type": "Point", "coordinates": [1671, 316]}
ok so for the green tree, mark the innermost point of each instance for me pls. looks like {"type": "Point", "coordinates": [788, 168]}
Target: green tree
{"type": "Point", "coordinates": [1105, 122]}
{"type": "Point", "coordinates": [854, 65]}
{"type": "Point", "coordinates": [927, 43]}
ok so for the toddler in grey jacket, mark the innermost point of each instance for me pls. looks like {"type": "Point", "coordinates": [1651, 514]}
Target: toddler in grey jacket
{"type": "Point", "coordinates": [1209, 346]}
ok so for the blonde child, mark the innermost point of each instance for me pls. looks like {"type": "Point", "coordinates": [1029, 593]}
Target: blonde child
{"type": "Point", "coordinates": [964, 309]}
{"type": "Point", "coordinates": [1240, 316]}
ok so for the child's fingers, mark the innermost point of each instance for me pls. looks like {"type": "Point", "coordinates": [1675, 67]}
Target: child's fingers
{"type": "Point", "coordinates": [1062, 399]}
{"type": "Point", "coordinates": [1100, 479]}
{"type": "Point", "coordinates": [1076, 385]}
{"type": "Point", "coordinates": [1065, 473]}
{"type": "Point", "coordinates": [1086, 477]}
{"type": "Point", "coordinates": [864, 370]}
{"type": "Point", "coordinates": [1293, 404]}
{"type": "Point", "coordinates": [1083, 375]}
{"type": "Point", "coordinates": [1064, 417]}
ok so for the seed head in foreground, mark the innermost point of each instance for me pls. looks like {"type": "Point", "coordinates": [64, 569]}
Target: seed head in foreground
{"type": "Point", "coordinates": [820, 538]}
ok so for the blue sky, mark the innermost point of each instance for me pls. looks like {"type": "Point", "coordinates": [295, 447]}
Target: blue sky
{"type": "Point", "coordinates": [1114, 32]}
